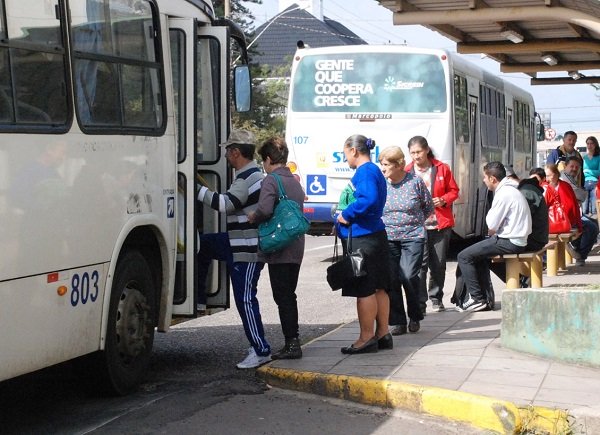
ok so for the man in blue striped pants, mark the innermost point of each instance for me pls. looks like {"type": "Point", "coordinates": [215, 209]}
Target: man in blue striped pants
{"type": "Point", "coordinates": [239, 246]}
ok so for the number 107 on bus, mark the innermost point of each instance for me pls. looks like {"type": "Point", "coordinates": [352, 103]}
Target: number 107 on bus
{"type": "Point", "coordinates": [299, 140]}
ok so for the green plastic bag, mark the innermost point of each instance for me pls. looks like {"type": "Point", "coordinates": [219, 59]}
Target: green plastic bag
{"type": "Point", "coordinates": [346, 197]}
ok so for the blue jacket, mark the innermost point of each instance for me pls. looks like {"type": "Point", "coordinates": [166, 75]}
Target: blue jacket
{"type": "Point", "coordinates": [364, 214]}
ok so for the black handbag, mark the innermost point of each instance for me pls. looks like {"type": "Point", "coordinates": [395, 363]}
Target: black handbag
{"type": "Point", "coordinates": [351, 267]}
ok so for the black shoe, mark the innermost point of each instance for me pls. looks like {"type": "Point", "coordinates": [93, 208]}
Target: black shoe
{"type": "Point", "coordinates": [414, 325]}
{"type": "Point", "coordinates": [369, 347]}
{"type": "Point", "coordinates": [291, 350]}
{"type": "Point", "coordinates": [385, 342]}
{"type": "Point", "coordinates": [437, 306]}
{"type": "Point", "coordinates": [398, 330]}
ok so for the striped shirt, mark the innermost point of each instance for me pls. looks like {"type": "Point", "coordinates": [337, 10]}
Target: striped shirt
{"type": "Point", "coordinates": [237, 202]}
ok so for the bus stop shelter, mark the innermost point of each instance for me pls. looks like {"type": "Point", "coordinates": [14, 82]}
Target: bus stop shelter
{"type": "Point", "coordinates": [552, 41]}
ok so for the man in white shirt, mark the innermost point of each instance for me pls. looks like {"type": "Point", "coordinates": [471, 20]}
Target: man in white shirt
{"type": "Point", "coordinates": [509, 225]}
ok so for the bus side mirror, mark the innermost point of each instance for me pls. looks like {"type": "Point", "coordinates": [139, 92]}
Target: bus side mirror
{"type": "Point", "coordinates": [242, 88]}
{"type": "Point", "coordinates": [541, 132]}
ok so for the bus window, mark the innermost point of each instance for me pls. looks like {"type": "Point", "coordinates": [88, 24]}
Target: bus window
{"type": "Point", "coordinates": [6, 103]}
{"type": "Point", "coordinates": [460, 109]}
{"type": "Point", "coordinates": [177, 38]}
{"type": "Point", "coordinates": [43, 30]}
{"type": "Point", "coordinates": [33, 81]}
{"type": "Point", "coordinates": [388, 82]}
{"type": "Point", "coordinates": [2, 28]}
{"type": "Point", "coordinates": [117, 75]}
{"type": "Point", "coordinates": [207, 106]}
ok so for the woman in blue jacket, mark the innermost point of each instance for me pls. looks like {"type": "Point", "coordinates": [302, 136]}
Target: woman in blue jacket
{"type": "Point", "coordinates": [363, 215]}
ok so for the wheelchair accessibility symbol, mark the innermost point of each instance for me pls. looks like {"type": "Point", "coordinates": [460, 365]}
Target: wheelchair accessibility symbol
{"type": "Point", "coordinates": [316, 184]}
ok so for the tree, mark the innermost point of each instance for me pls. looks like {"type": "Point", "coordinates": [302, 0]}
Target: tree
{"type": "Point", "coordinates": [269, 88]}
{"type": "Point", "coordinates": [239, 13]}
{"type": "Point", "coordinates": [269, 103]}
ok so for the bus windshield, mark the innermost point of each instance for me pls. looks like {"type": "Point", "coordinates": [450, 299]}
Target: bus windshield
{"type": "Point", "coordinates": [370, 82]}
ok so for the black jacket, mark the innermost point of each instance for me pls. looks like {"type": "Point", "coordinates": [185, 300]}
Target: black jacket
{"type": "Point", "coordinates": [534, 194]}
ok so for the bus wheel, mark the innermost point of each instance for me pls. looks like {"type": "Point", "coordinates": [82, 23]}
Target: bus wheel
{"type": "Point", "coordinates": [130, 329]}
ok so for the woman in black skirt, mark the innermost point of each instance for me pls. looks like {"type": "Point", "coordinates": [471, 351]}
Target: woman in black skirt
{"type": "Point", "coordinates": [363, 215]}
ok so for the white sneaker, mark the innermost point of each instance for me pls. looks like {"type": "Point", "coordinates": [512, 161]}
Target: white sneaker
{"type": "Point", "coordinates": [253, 360]}
{"type": "Point", "coordinates": [472, 305]}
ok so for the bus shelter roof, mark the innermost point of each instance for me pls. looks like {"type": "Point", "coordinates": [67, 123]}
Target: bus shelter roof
{"type": "Point", "coordinates": [552, 41]}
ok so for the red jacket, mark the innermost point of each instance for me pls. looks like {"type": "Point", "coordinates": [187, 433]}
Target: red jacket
{"type": "Point", "coordinates": [568, 201]}
{"type": "Point", "coordinates": [443, 186]}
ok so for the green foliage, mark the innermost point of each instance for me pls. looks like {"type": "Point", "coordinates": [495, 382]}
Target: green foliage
{"type": "Point", "coordinates": [269, 88]}
{"type": "Point", "coordinates": [269, 100]}
{"type": "Point", "coordinates": [239, 13]}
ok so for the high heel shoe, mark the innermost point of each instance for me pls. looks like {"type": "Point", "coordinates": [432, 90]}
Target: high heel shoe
{"type": "Point", "coordinates": [385, 342]}
{"type": "Point", "coordinates": [369, 347]}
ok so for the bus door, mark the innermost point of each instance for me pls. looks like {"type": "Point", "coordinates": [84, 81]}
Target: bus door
{"type": "Point", "coordinates": [199, 67]}
{"type": "Point", "coordinates": [476, 188]}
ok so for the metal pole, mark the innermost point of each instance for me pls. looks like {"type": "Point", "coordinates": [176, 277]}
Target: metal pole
{"type": "Point", "coordinates": [227, 6]}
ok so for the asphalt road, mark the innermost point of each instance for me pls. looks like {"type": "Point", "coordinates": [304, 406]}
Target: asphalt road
{"type": "Point", "coordinates": [194, 387]}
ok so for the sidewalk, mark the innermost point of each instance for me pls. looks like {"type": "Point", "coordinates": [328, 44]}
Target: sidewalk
{"type": "Point", "coordinates": [455, 367]}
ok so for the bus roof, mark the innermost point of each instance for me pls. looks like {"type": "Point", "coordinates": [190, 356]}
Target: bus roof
{"type": "Point", "coordinates": [456, 60]}
{"type": "Point", "coordinates": [389, 48]}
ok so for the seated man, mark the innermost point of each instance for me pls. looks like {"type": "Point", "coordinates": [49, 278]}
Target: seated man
{"type": "Point", "coordinates": [581, 246]}
{"type": "Point", "coordinates": [534, 194]}
{"type": "Point", "coordinates": [509, 225]}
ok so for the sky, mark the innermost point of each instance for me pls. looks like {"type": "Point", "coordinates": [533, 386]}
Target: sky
{"type": "Point", "coordinates": [571, 107]}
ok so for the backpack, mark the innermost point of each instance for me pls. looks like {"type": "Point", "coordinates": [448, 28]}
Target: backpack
{"type": "Point", "coordinates": [461, 294]}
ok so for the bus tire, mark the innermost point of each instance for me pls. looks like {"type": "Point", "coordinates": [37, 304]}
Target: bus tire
{"type": "Point", "coordinates": [131, 320]}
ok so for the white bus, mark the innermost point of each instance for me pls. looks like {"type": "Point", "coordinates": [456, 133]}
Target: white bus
{"type": "Point", "coordinates": [109, 111]}
{"type": "Point", "coordinates": [392, 93]}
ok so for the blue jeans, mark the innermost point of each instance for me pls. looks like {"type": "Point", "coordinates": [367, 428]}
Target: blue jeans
{"type": "Point", "coordinates": [406, 257]}
{"type": "Point", "coordinates": [474, 264]}
{"type": "Point", "coordinates": [584, 244]}
{"type": "Point", "coordinates": [589, 205]}
{"type": "Point", "coordinates": [244, 280]}
{"type": "Point", "coordinates": [434, 260]}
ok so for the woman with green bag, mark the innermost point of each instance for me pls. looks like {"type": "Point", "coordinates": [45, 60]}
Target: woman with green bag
{"type": "Point", "coordinates": [284, 265]}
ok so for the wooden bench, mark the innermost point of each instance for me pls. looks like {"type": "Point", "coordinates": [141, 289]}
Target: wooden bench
{"type": "Point", "coordinates": [529, 262]}
{"type": "Point", "coordinates": [559, 257]}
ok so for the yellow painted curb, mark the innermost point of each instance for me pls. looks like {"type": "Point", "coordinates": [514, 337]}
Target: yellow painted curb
{"type": "Point", "coordinates": [483, 412]}
{"type": "Point", "coordinates": [545, 420]}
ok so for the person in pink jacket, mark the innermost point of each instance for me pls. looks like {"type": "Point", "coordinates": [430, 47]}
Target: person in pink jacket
{"type": "Point", "coordinates": [443, 188]}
